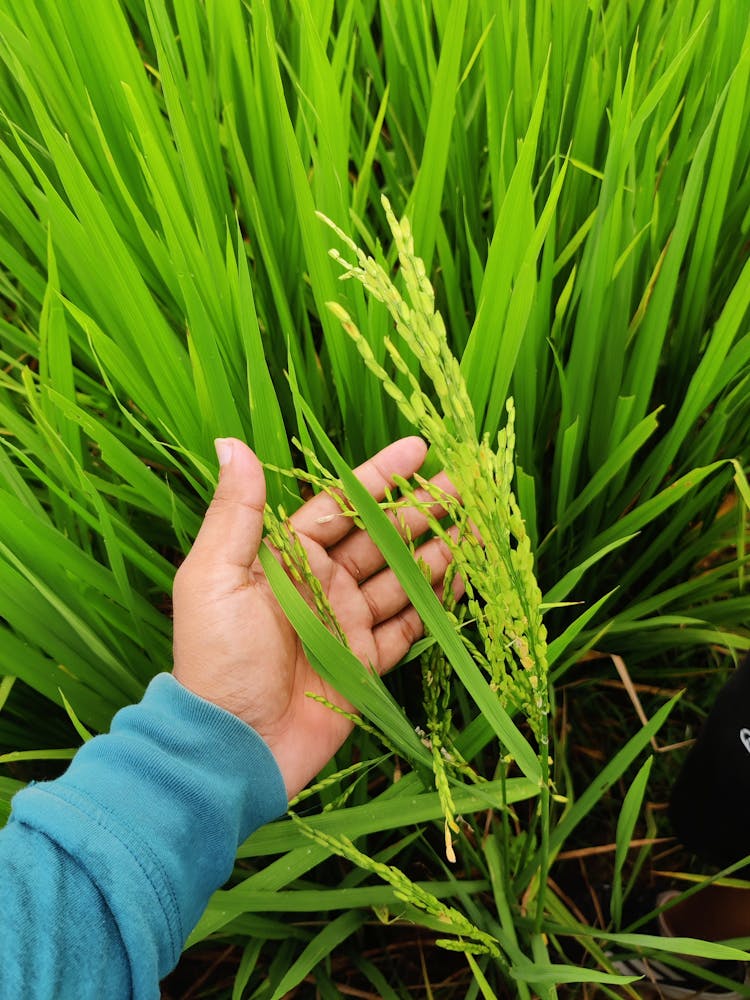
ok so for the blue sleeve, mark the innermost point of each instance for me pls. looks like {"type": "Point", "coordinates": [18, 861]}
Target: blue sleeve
{"type": "Point", "coordinates": [105, 871]}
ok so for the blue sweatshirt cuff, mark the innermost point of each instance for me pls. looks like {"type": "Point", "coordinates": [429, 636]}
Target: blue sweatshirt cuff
{"type": "Point", "coordinates": [154, 812]}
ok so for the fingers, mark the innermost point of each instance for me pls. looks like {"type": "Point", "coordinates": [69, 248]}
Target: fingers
{"type": "Point", "coordinates": [231, 530]}
{"type": "Point", "coordinates": [383, 593]}
{"type": "Point", "coordinates": [359, 555]}
{"type": "Point", "coordinates": [321, 518]}
{"type": "Point", "coordinates": [395, 637]}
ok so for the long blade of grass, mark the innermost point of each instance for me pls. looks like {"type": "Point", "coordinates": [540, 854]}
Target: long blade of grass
{"type": "Point", "coordinates": [321, 945]}
{"type": "Point", "coordinates": [626, 821]}
{"type": "Point", "coordinates": [603, 781]}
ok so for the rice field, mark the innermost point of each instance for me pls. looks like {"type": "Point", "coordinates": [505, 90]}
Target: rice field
{"type": "Point", "coordinates": [540, 212]}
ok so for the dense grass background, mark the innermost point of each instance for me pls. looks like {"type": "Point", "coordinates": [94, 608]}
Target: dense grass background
{"type": "Point", "coordinates": [577, 178]}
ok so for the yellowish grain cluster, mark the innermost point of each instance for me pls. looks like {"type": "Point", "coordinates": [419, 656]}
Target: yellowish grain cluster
{"type": "Point", "coordinates": [280, 532]}
{"type": "Point", "coordinates": [470, 938]}
{"type": "Point", "coordinates": [503, 596]}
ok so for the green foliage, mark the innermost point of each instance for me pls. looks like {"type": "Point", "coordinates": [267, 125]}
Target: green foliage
{"type": "Point", "coordinates": [577, 177]}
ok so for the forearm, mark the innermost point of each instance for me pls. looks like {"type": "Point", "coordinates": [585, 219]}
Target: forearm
{"type": "Point", "coordinates": [58, 937]}
{"type": "Point", "coordinates": [108, 868]}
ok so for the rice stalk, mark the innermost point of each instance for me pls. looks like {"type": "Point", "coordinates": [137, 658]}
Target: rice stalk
{"type": "Point", "coordinates": [479, 942]}
{"type": "Point", "coordinates": [503, 595]}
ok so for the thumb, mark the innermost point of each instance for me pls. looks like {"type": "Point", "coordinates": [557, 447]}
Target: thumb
{"type": "Point", "coordinates": [233, 525]}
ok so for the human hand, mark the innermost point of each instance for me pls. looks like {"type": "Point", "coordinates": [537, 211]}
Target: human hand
{"type": "Point", "coordinates": [233, 644]}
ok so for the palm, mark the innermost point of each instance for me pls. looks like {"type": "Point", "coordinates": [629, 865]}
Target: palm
{"type": "Point", "coordinates": [310, 731]}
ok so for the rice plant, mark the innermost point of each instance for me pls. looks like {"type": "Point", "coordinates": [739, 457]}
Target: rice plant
{"type": "Point", "coordinates": [576, 183]}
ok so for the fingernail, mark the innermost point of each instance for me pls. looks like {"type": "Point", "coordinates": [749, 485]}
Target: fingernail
{"type": "Point", "coordinates": [223, 450]}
